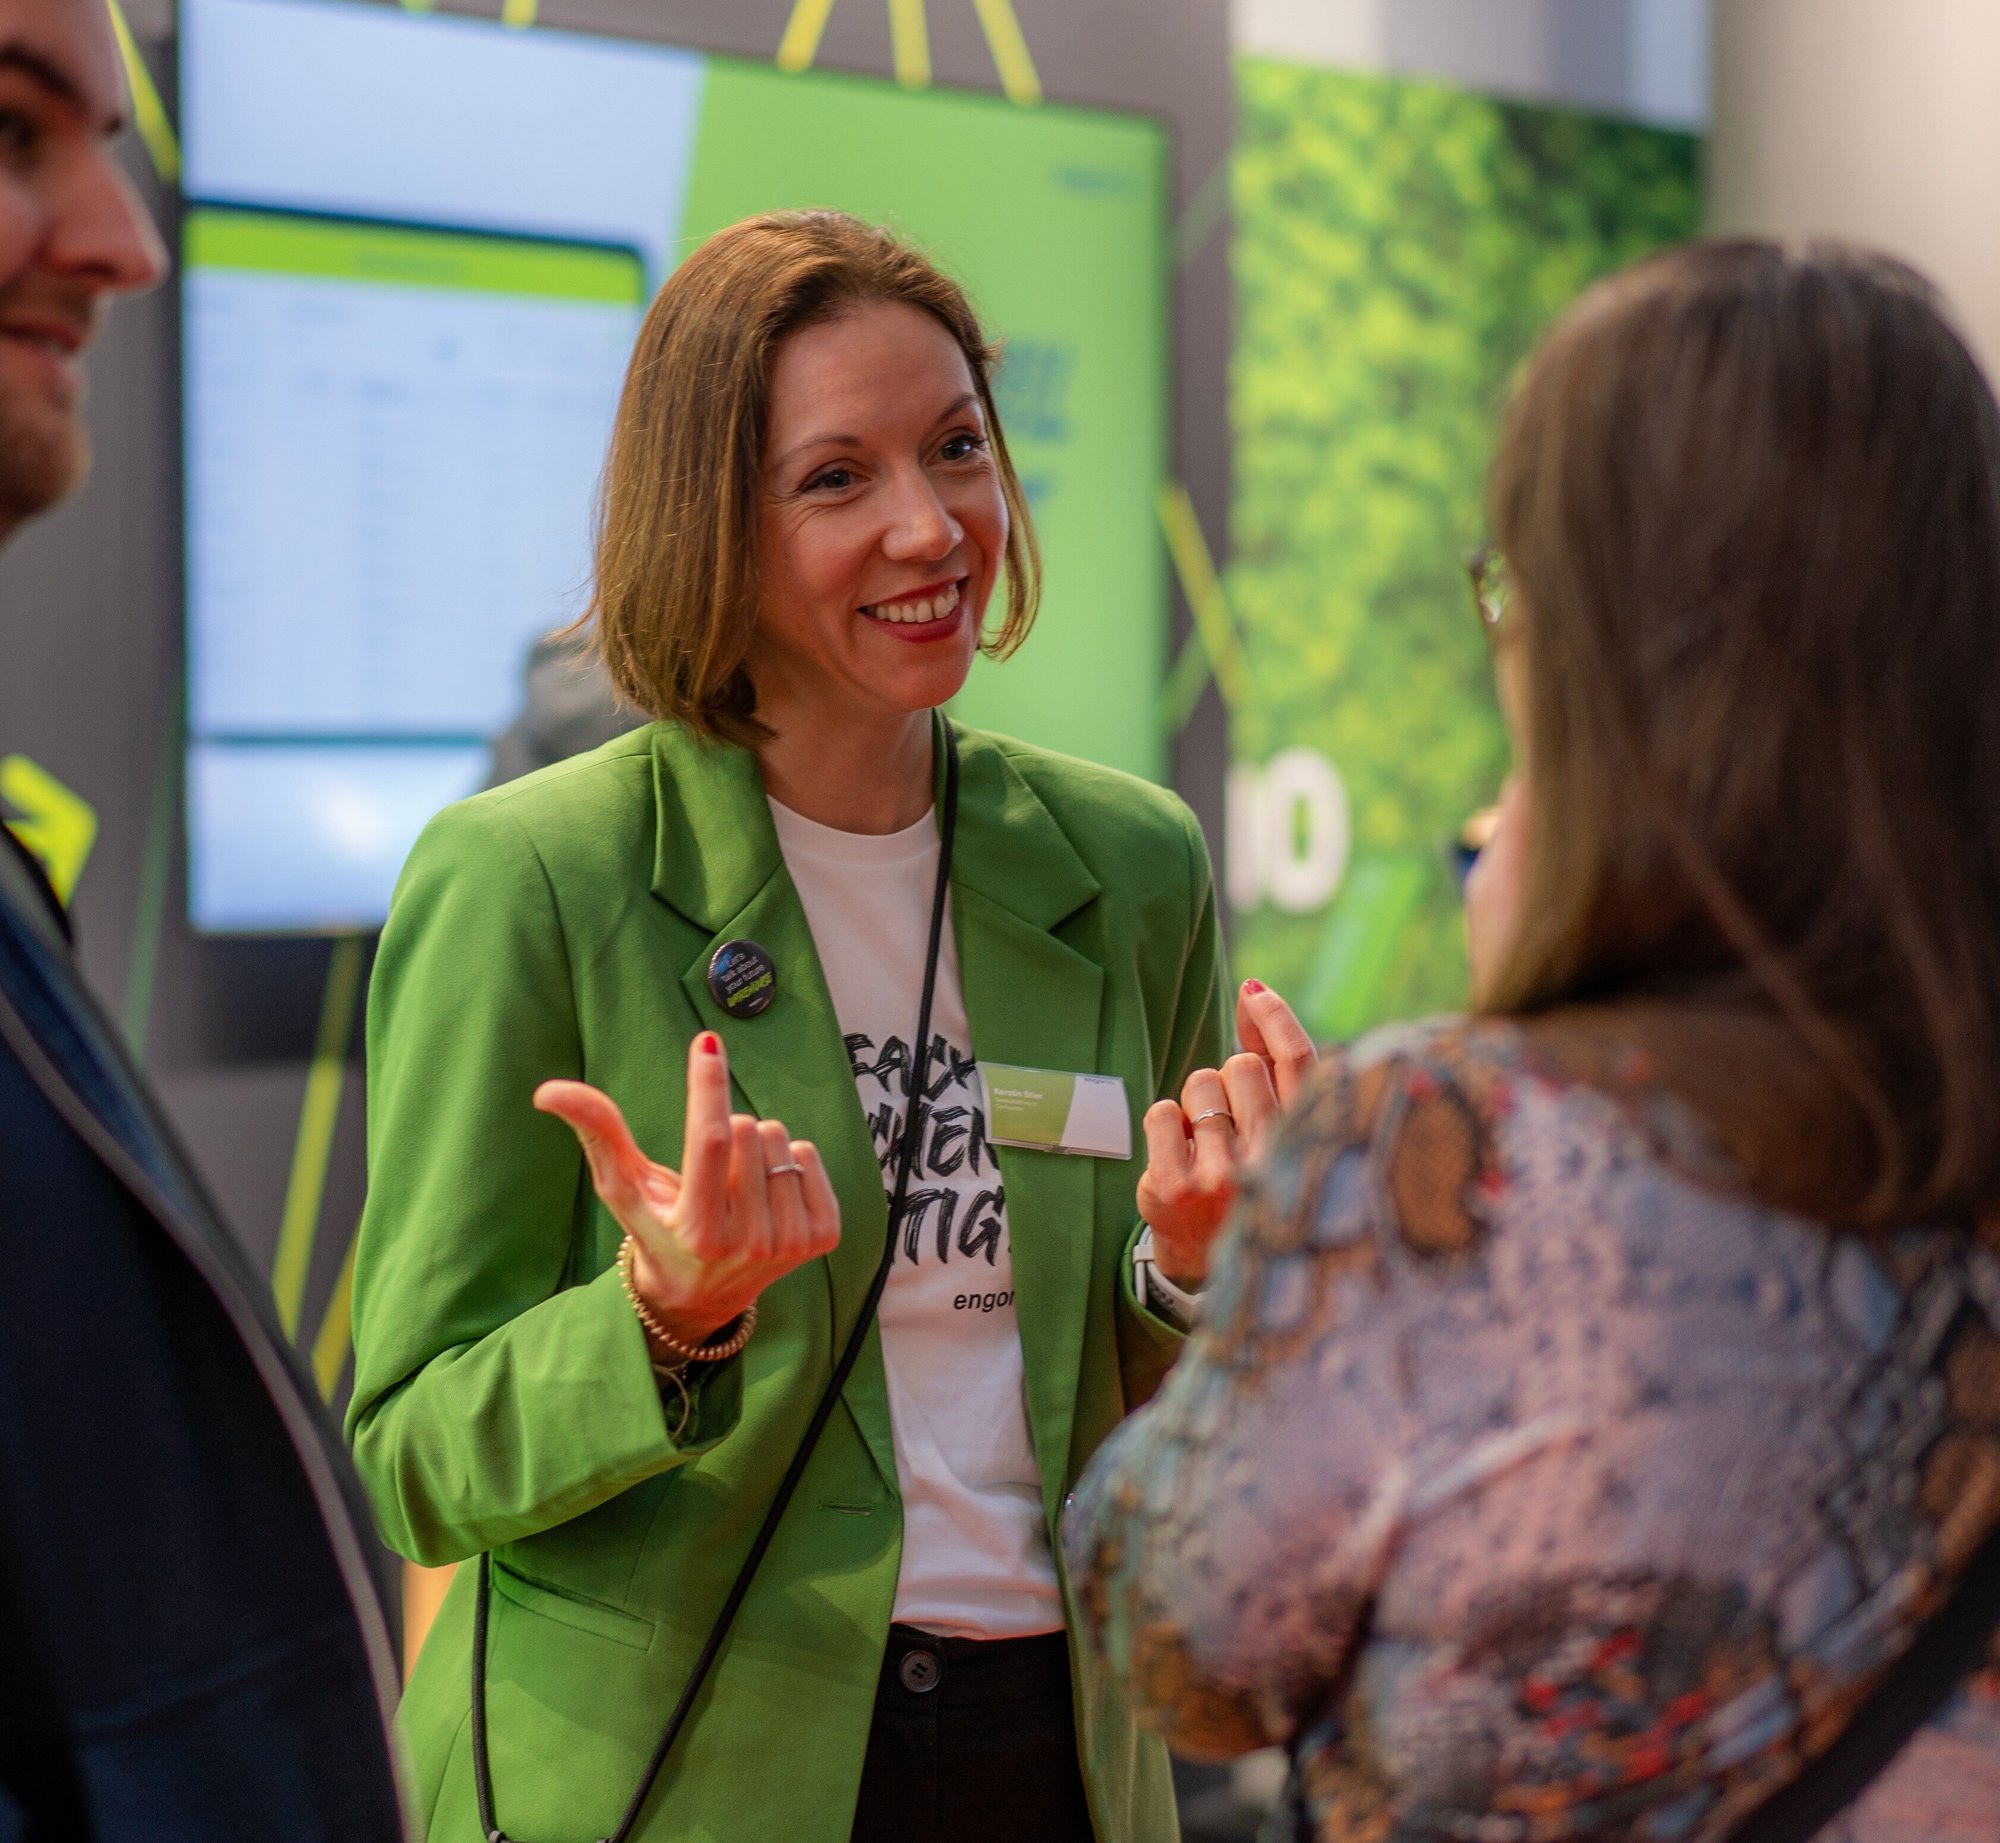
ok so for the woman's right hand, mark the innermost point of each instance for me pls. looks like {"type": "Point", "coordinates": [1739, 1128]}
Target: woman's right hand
{"type": "Point", "coordinates": [748, 1205]}
{"type": "Point", "coordinates": [1196, 1147]}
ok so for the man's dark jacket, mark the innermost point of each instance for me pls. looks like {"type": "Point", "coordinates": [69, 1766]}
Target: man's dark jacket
{"type": "Point", "coordinates": [191, 1648]}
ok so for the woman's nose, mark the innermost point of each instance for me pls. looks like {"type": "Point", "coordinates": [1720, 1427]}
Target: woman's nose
{"type": "Point", "coordinates": [923, 526]}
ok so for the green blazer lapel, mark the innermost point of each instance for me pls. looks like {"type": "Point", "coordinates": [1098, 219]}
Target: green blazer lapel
{"type": "Point", "coordinates": [718, 863]}
{"type": "Point", "coordinates": [715, 846]}
{"type": "Point", "coordinates": [1034, 1001]}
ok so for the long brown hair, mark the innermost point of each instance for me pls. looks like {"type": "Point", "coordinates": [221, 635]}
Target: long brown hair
{"type": "Point", "coordinates": [674, 599]}
{"type": "Point", "coordinates": [1750, 502]}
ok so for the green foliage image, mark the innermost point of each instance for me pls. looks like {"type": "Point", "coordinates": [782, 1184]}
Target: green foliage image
{"type": "Point", "coordinates": [1399, 246]}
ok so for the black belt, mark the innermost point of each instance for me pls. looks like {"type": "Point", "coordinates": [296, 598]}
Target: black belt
{"type": "Point", "coordinates": [925, 1675]}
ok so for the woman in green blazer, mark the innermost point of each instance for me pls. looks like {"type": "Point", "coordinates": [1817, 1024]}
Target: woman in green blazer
{"type": "Point", "coordinates": [807, 505]}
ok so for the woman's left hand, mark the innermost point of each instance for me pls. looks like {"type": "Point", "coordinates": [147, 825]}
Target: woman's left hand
{"type": "Point", "coordinates": [1196, 1147]}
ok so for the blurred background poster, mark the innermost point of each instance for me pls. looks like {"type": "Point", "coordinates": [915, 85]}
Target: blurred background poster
{"type": "Point", "coordinates": [402, 352]}
{"type": "Point", "coordinates": [1399, 244]}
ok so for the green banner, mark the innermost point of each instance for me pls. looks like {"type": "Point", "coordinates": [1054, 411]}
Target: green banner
{"type": "Point", "coordinates": [1399, 247]}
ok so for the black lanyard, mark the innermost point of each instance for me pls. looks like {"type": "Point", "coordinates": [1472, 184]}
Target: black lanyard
{"type": "Point", "coordinates": [482, 1768]}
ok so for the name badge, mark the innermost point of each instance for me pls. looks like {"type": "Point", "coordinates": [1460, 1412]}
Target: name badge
{"type": "Point", "coordinates": [1047, 1110]}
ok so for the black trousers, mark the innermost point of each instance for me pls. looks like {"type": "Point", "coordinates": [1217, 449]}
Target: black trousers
{"type": "Point", "coordinates": [974, 1741]}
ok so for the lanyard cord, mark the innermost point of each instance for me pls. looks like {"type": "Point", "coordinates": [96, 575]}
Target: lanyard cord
{"type": "Point", "coordinates": [482, 1769]}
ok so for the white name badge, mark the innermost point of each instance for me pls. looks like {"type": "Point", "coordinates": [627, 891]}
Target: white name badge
{"type": "Point", "coordinates": [1048, 1110]}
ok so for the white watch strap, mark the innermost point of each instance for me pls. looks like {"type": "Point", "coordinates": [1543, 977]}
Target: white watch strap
{"type": "Point", "coordinates": [1154, 1286]}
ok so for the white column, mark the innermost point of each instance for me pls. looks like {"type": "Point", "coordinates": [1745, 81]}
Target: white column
{"type": "Point", "coordinates": [1873, 122]}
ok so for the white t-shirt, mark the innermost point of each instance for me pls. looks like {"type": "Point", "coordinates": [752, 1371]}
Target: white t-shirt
{"type": "Point", "coordinates": [976, 1560]}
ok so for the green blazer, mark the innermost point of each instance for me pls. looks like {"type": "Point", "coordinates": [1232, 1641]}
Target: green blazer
{"type": "Point", "coordinates": [562, 926]}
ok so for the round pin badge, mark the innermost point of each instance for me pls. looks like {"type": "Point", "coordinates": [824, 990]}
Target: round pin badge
{"type": "Point", "coordinates": [743, 978]}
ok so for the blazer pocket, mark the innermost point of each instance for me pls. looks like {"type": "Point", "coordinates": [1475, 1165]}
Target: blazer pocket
{"type": "Point", "coordinates": [572, 1609]}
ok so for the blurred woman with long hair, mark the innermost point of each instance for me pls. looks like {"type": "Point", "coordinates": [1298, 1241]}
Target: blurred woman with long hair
{"type": "Point", "coordinates": [1598, 1392]}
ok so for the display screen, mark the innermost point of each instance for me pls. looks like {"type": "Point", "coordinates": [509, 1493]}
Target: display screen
{"type": "Point", "coordinates": [414, 255]}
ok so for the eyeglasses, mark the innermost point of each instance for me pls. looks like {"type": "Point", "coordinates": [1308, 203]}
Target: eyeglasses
{"type": "Point", "coordinates": [1491, 590]}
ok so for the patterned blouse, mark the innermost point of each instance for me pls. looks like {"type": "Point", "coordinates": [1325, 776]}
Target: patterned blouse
{"type": "Point", "coordinates": [1530, 1482]}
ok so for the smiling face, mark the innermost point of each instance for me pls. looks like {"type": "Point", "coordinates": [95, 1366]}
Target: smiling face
{"type": "Point", "coordinates": [882, 525]}
{"type": "Point", "coordinates": [72, 234]}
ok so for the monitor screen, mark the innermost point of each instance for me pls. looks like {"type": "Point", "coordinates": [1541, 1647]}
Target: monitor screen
{"type": "Point", "coordinates": [415, 252]}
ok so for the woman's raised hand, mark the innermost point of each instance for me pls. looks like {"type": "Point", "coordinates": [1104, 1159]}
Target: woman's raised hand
{"type": "Point", "coordinates": [748, 1205]}
{"type": "Point", "coordinates": [1197, 1146]}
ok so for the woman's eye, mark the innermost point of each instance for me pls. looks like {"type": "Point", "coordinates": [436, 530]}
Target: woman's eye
{"type": "Point", "coordinates": [963, 447]}
{"type": "Point", "coordinates": [834, 480]}
{"type": "Point", "coordinates": [20, 133]}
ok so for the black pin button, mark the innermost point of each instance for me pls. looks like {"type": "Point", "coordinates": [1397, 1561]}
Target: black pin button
{"type": "Point", "coordinates": [742, 978]}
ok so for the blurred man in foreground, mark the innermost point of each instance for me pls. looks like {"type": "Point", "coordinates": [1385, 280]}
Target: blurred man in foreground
{"type": "Point", "coordinates": [190, 1644]}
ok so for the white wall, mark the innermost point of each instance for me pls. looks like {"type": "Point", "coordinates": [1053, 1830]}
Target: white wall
{"type": "Point", "coordinates": [1645, 59]}
{"type": "Point", "coordinates": [1860, 119]}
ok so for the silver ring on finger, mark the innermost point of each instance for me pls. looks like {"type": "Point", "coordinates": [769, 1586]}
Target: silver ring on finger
{"type": "Point", "coordinates": [1214, 1113]}
{"type": "Point", "coordinates": [785, 1170]}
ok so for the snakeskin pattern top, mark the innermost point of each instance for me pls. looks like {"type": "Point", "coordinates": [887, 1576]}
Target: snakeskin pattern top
{"type": "Point", "coordinates": [1530, 1482]}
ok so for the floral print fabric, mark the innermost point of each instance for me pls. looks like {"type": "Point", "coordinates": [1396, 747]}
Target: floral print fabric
{"type": "Point", "coordinates": [1528, 1481]}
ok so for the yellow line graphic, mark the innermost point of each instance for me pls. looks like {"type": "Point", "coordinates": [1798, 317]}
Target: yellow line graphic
{"type": "Point", "coordinates": [1187, 678]}
{"type": "Point", "coordinates": [804, 30]}
{"type": "Point", "coordinates": [518, 12]}
{"type": "Point", "coordinates": [57, 824]}
{"type": "Point", "coordinates": [149, 113]}
{"type": "Point", "coordinates": [1205, 597]}
{"type": "Point", "coordinates": [1010, 52]}
{"type": "Point", "coordinates": [314, 1147]}
{"type": "Point", "coordinates": [1204, 212]}
{"type": "Point", "coordinates": [909, 40]}
{"type": "Point", "coordinates": [336, 1329]}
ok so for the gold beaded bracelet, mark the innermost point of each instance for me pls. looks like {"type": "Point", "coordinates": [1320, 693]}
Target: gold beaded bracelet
{"type": "Point", "coordinates": [681, 1351]}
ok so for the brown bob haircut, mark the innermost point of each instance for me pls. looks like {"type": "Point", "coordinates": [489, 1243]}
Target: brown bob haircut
{"type": "Point", "coordinates": [1750, 503]}
{"type": "Point", "coordinates": [675, 600]}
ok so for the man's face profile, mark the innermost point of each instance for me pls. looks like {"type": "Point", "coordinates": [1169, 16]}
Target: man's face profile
{"type": "Point", "coordinates": [72, 234]}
